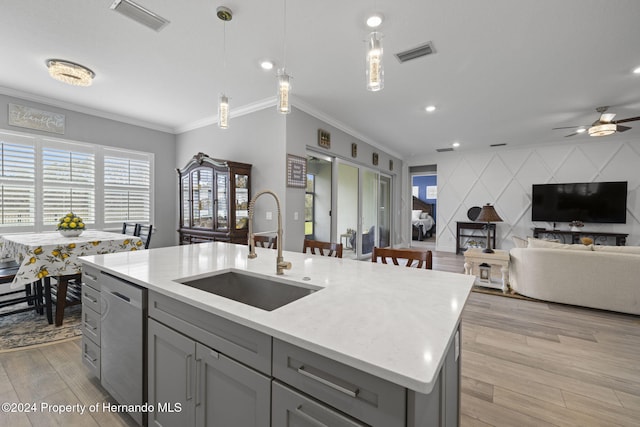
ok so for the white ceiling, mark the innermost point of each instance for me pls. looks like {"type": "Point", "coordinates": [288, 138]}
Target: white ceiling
{"type": "Point", "coordinates": [505, 71]}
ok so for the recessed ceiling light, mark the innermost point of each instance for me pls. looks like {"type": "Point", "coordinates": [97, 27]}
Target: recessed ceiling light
{"type": "Point", "coordinates": [374, 20]}
{"type": "Point", "coordinates": [430, 108]}
{"type": "Point", "coordinates": [581, 130]}
{"type": "Point", "coordinates": [456, 144]}
{"type": "Point", "coordinates": [266, 64]}
{"type": "Point", "coordinates": [636, 71]}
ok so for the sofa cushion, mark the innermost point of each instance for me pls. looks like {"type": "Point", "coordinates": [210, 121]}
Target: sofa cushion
{"type": "Point", "coordinates": [545, 244]}
{"type": "Point", "coordinates": [618, 249]}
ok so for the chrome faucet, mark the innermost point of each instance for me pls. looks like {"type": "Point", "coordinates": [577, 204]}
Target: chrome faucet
{"type": "Point", "coordinates": [281, 264]}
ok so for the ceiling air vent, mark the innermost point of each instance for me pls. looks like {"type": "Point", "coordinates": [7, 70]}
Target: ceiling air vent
{"type": "Point", "coordinates": [139, 14]}
{"type": "Point", "coordinates": [443, 150]}
{"type": "Point", "coordinates": [423, 50]}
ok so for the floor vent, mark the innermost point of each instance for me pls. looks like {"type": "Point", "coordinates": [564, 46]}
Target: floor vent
{"type": "Point", "coordinates": [502, 144]}
{"type": "Point", "coordinates": [443, 150]}
{"type": "Point", "coordinates": [418, 52]}
{"type": "Point", "coordinates": [139, 14]}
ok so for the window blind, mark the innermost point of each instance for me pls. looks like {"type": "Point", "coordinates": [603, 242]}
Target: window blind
{"type": "Point", "coordinates": [17, 183]}
{"type": "Point", "coordinates": [127, 189]}
{"type": "Point", "coordinates": [68, 184]}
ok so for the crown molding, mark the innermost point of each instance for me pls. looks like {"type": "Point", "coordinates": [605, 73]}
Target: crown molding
{"type": "Point", "coordinates": [235, 112]}
{"type": "Point", "coordinates": [312, 111]}
{"type": "Point", "coordinates": [82, 109]}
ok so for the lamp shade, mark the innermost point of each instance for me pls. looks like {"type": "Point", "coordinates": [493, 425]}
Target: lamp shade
{"type": "Point", "coordinates": [488, 214]}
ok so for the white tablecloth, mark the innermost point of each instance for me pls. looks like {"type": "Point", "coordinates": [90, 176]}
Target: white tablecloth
{"type": "Point", "coordinates": [50, 254]}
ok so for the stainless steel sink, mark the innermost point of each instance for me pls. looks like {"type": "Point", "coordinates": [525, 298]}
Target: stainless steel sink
{"type": "Point", "coordinates": [260, 292]}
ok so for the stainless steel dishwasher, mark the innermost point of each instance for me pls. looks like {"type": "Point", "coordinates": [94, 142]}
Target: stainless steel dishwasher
{"type": "Point", "coordinates": [123, 336]}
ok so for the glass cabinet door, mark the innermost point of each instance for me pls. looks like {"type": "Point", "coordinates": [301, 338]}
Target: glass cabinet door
{"type": "Point", "coordinates": [242, 201]}
{"type": "Point", "coordinates": [202, 200]}
{"type": "Point", "coordinates": [186, 202]}
{"type": "Point", "coordinates": [222, 197]}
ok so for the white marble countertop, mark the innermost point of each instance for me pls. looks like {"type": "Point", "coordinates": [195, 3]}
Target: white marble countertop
{"type": "Point", "coordinates": [390, 321]}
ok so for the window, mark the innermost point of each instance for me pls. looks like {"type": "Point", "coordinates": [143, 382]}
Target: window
{"type": "Point", "coordinates": [309, 206]}
{"type": "Point", "coordinates": [41, 179]}
{"type": "Point", "coordinates": [127, 187]}
{"type": "Point", "coordinates": [68, 184]}
{"type": "Point", "coordinates": [17, 183]}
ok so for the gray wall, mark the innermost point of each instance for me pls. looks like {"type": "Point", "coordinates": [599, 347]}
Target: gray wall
{"type": "Point", "coordinates": [258, 139]}
{"type": "Point", "coordinates": [302, 133]}
{"type": "Point", "coordinates": [96, 130]}
{"type": "Point", "coordinates": [263, 139]}
{"type": "Point", "coordinates": [504, 176]}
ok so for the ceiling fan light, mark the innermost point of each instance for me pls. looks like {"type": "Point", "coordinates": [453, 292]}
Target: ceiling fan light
{"type": "Point", "coordinates": [70, 72]}
{"type": "Point", "coordinates": [603, 129]}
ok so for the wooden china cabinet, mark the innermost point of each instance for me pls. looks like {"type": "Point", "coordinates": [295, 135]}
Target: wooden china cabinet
{"type": "Point", "coordinates": [214, 200]}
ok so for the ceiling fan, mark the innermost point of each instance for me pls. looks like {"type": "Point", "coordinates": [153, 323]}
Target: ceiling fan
{"type": "Point", "coordinates": [605, 125]}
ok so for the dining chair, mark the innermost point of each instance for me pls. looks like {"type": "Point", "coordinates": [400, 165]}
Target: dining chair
{"type": "Point", "coordinates": [414, 257]}
{"type": "Point", "coordinates": [144, 232]}
{"type": "Point", "coordinates": [269, 242]}
{"type": "Point", "coordinates": [129, 228]}
{"type": "Point", "coordinates": [31, 294]}
{"type": "Point", "coordinates": [334, 249]}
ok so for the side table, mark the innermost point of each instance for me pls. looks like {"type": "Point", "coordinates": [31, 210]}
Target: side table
{"type": "Point", "coordinates": [475, 257]}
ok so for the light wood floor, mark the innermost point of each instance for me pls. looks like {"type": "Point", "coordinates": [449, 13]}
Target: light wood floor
{"type": "Point", "coordinates": [524, 363]}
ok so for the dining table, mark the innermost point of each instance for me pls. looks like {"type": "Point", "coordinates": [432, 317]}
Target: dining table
{"type": "Point", "coordinates": [47, 255]}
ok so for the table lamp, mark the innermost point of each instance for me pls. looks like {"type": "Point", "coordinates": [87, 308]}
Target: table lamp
{"type": "Point", "coordinates": [488, 214]}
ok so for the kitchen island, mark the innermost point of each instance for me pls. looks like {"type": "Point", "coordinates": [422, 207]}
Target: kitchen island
{"type": "Point", "coordinates": [399, 326]}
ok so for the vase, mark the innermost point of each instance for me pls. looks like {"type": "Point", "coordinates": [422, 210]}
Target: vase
{"type": "Point", "coordinates": [70, 233]}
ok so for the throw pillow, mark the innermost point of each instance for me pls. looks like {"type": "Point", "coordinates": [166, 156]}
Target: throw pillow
{"type": "Point", "coordinates": [545, 244]}
{"type": "Point", "coordinates": [617, 249]}
{"type": "Point", "coordinates": [415, 214]}
{"type": "Point", "coordinates": [424, 215]}
{"type": "Point", "coordinates": [519, 242]}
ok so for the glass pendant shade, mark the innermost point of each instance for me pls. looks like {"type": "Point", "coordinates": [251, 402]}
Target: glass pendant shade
{"type": "Point", "coordinates": [284, 87]}
{"type": "Point", "coordinates": [375, 70]}
{"type": "Point", "coordinates": [223, 112]}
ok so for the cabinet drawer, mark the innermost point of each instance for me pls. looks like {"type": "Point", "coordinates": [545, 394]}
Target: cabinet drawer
{"type": "Point", "coordinates": [91, 276]}
{"type": "Point", "coordinates": [292, 409]}
{"type": "Point", "coordinates": [91, 298]}
{"type": "Point", "coordinates": [368, 398]}
{"type": "Point", "coordinates": [91, 324]}
{"type": "Point", "coordinates": [91, 356]}
{"type": "Point", "coordinates": [243, 344]}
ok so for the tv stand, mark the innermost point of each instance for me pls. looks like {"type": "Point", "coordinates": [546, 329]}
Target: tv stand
{"type": "Point", "coordinates": [575, 236]}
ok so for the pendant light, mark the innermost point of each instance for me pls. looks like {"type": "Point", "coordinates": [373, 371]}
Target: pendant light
{"type": "Point", "coordinates": [375, 70]}
{"type": "Point", "coordinates": [284, 79]}
{"type": "Point", "coordinates": [225, 15]}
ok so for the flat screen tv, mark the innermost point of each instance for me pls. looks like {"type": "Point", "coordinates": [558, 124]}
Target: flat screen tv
{"type": "Point", "coordinates": [603, 202]}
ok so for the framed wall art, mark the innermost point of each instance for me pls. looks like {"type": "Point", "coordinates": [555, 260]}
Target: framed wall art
{"type": "Point", "coordinates": [296, 171]}
{"type": "Point", "coordinates": [375, 159]}
{"type": "Point", "coordinates": [324, 139]}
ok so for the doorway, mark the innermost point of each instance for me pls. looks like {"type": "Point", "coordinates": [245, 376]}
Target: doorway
{"type": "Point", "coordinates": [424, 189]}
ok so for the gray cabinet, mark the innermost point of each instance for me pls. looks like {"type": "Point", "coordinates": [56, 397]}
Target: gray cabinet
{"type": "Point", "coordinates": [171, 376]}
{"type": "Point", "coordinates": [362, 396]}
{"type": "Point", "coordinates": [91, 327]}
{"type": "Point", "coordinates": [207, 387]}
{"type": "Point", "coordinates": [293, 409]}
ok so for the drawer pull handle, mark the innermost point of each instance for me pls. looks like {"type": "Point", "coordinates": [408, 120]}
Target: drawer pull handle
{"type": "Point", "coordinates": [91, 298]}
{"type": "Point", "coordinates": [88, 325]}
{"type": "Point", "coordinates": [304, 371]}
{"type": "Point", "coordinates": [89, 358]}
{"type": "Point", "coordinates": [309, 418]}
{"type": "Point", "coordinates": [94, 278]}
